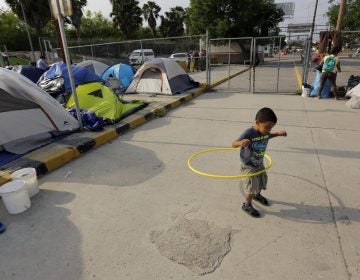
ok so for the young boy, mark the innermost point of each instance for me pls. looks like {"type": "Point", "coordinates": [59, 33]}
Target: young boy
{"type": "Point", "coordinates": [253, 142]}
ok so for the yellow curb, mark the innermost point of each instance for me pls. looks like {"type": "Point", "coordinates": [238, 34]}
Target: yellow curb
{"type": "Point", "coordinates": [134, 120]}
{"type": "Point", "coordinates": [230, 77]}
{"type": "Point", "coordinates": [103, 137]}
{"type": "Point", "coordinates": [54, 155]}
{"type": "Point", "coordinates": [175, 103]}
{"type": "Point", "coordinates": [188, 97]}
{"type": "Point", "coordinates": [4, 177]}
{"type": "Point", "coordinates": [298, 77]}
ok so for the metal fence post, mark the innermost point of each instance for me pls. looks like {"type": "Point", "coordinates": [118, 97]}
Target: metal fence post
{"type": "Point", "coordinates": [253, 62]}
{"type": "Point", "coordinates": [250, 63]}
{"type": "Point", "coordinates": [278, 72]}
{"type": "Point", "coordinates": [229, 58]}
{"type": "Point", "coordinates": [207, 58]}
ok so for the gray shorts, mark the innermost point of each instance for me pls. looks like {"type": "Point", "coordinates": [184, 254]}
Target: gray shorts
{"type": "Point", "coordinates": [254, 184]}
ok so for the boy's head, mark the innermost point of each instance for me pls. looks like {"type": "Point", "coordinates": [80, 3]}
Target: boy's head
{"type": "Point", "coordinates": [265, 120]}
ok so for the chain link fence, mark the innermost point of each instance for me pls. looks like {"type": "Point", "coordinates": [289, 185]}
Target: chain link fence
{"type": "Point", "coordinates": [119, 52]}
{"type": "Point", "coordinates": [230, 58]}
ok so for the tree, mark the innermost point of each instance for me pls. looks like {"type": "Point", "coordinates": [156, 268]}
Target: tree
{"type": "Point", "coordinates": [233, 18]}
{"type": "Point", "coordinates": [126, 16]}
{"type": "Point", "coordinates": [352, 19]}
{"type": "Point", "coordinates": [151, 11]}
{"type": "Point", "coordinates": [96, 25]}
{"type": "Point", "coordinates": [12, 32]}
{"type": "Point", "coordinates": [77, 6]}
{"type": "Point", "coordinates": [37, 12]}
{"type": "Point", "coordinates": [172, 24]}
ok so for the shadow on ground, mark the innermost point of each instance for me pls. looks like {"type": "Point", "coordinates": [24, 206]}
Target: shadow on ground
{"type": "Point", "coordinates": [36, 246]}
{"type": "Point", "coordinates": [130, 166]}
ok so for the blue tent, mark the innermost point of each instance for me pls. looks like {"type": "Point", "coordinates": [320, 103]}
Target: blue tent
{"type": "Point", "coordinates": [122, 72]}
{"type": "Point", "coordinates": [81, 75]}
{"type": "Point", "coordinates": [31, 72]}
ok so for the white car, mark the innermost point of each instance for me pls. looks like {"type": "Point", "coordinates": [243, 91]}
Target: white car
{"type": "Point", "coordinates": [179, 56]}
{"type": "Point", "coordinates": [140, 56]}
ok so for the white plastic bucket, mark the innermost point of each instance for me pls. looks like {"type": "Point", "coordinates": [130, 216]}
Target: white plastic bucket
{"type": "Point", "coordinates": [29, 176]}
{"type": "Point", "coordinates": [15, 196]}
{"type": "Point", "coordinates": [305, 91]}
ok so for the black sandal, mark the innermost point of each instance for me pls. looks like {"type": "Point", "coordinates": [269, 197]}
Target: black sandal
{"type": "Point", "coordinates": [250, 210]}
{"type": "Point", "coordinates": [261, 199]}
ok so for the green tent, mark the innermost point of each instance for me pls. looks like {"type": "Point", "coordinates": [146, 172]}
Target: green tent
{"type": "Point", "coordinates": [101, 100]}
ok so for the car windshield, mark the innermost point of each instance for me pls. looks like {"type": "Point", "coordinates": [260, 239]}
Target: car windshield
{"type": "Point", "coordinates": [136, 53]}
{"type": "Point", "coordinates": [180, 55]}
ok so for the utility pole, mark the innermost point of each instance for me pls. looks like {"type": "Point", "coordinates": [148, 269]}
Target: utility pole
{"type": "Point", "coordinates": [341, 15]}
{"type": "Point", "coordinates": [309, 46]}
{"type": "Point", "coordinates": [27, 30]}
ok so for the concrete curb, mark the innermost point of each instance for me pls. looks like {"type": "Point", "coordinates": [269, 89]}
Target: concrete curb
{"type": "Point", "coordinates": [57, 154]}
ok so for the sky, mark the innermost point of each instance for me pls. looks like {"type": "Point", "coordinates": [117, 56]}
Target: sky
{"type": "Point", "coordinates": [304, 9]}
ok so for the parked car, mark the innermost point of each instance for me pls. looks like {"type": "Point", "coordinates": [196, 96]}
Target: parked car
{"type": "Point", "coordinates": [179, 57]}
{"type": "Point", "coordinates": [140, 56]}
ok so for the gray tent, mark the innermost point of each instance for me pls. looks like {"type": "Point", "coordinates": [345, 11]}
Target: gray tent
{"type": "Point", "coordinates": [26, 110]}
{"type": "Point", "coordinates": [94, 66]}
{"type": "Point", "coordinates": [161, 76]}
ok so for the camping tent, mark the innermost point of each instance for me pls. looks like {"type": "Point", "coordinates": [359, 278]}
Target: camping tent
{"type": "Point", "coordinates": [94, 66]}
{"type": "Point", "coordinates": [58, 72]}
{"type": "Point", "coordinates": [162, 76]}
{"type": "Point", "coordinates": [101, 100]}
{"type": "Point", "coordinates": [26, 110]}
{"type": "Point", "coordinates": [122, 72]}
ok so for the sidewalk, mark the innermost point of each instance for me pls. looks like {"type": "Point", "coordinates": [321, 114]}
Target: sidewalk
{"type": "Point", "coordinates": [59, 153]}
{"type": "Point", "coordinates": [95, 217]}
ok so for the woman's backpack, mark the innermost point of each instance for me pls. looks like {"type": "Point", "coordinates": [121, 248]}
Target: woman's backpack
{"type": "Point", "coordinates": [329, 64]}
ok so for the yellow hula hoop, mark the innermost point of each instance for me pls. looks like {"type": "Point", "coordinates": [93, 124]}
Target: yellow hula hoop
{"type": "Point", "coordinates": [225, 176]}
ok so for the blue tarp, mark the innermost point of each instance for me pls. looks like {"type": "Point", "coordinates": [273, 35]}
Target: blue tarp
{"type": "Point", "coordinates": [123, 72]}
{"type": "Point", "coordinates": [81, 75]}
{"type": "Point", "coordinates": [31, 72]}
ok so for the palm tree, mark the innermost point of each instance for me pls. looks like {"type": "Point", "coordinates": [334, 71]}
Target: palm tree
{"type": "Point", "coordinates": [77, 6]}
{"type": "Point", "coordinates": [37, 13]}
{"type": "Point", "coordinates": [126, 15]}
{"type": "Point", "coordinates": [151, 11]}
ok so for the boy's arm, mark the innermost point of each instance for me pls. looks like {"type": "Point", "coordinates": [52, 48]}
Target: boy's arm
{"type": "Point", "coordinates": [241, 143]}
{"type": "Point", "coordinates": [279, 133]}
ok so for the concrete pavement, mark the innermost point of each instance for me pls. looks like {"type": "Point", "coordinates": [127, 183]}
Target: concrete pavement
{"type": "Point", "coordinates": [94, 216]}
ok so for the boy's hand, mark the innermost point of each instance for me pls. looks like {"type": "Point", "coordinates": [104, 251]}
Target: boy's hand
{"type": "Point", "coordinates": [282, 133]}
{"type": "Point", "coordinates": [245, 143]}
{"type": "Point", "coordinates": [241, 143]}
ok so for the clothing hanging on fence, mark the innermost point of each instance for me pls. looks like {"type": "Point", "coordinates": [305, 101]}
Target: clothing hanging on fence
{"type": "Point", "coordinates": [336, 40]}
{"type": "Point", "coordinates": [330, 40]}
{"type": "Point", "coordinates": [324, 41]}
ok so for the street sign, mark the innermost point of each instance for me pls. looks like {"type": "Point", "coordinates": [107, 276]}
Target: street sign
{"type": "Point", "coordinates": [65, 8]}
{"type": "Point", "coordinates": [299, 27]}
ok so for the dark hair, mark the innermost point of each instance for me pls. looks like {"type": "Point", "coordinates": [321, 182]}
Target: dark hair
{"type": "Point", "coordinates": [266, 115]}
{"type": "Point", "coordinates": [335, 51]}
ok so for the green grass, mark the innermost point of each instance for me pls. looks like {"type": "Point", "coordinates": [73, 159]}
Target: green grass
{"type": "Point", "coordinates": [14, 60]}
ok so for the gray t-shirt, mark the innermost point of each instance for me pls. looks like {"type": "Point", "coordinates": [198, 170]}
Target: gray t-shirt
{"type": "Point", "coordinates": [253, 154]}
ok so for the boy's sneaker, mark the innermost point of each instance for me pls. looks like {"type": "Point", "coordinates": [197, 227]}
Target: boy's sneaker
{"type": "Point", "coordinates": [261, 199]}
{"type": "Point", "coordinates": [250, 210]}
{"type": "Point", "coordinates": [2, 228]}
